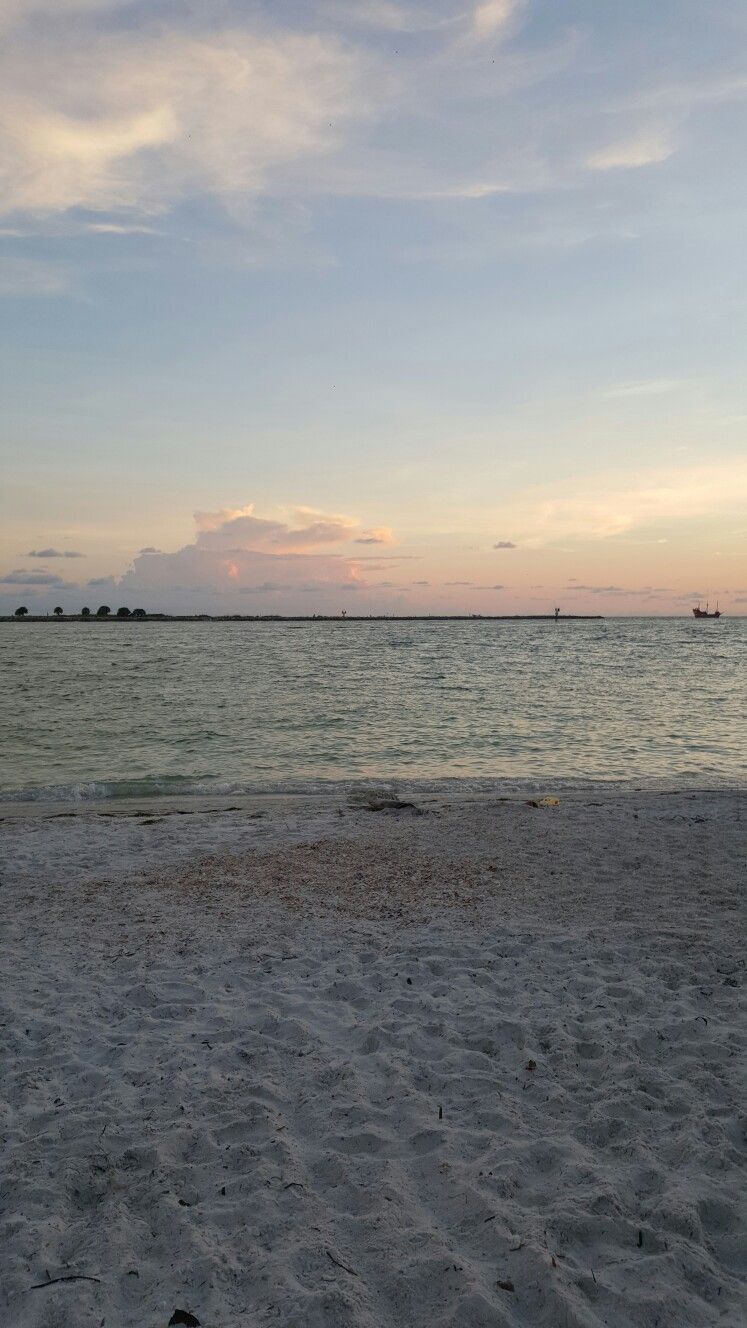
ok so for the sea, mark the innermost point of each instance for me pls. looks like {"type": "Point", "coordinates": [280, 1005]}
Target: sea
{"type": "Point", "coordinates": [93, 711]}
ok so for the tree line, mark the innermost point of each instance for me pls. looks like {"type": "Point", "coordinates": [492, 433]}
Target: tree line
{"type": "Point", "coordinates": [103, 611]}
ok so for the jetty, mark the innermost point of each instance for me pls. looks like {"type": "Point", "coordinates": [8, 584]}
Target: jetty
{"type": "Point", "coordinates": [309, 619]}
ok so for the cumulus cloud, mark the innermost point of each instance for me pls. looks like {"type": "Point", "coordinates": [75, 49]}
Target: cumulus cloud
{"type": "Point", "coordinates": [269, 558]}
{"type": "Point", "coordinates": [150, 549]}
{"type": "Point", "coordinates": [504, 544]}
{"type": "Point", "coordinates": [306, 528]}
{"type": "Point", "coordinates": [54, 553]}
{"type": "Point", "coordinates": [136, 119]}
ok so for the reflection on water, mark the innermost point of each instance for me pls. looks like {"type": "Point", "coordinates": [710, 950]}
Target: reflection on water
{"type": "Point", "coordinates": [167, 706]}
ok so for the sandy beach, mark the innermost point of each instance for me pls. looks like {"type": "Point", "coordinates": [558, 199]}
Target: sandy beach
{"type": "Point", "coordinates": [337, 1063]}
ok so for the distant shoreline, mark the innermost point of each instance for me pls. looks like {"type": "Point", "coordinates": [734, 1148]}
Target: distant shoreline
{"type": "Point", "coordinates": [306, 618]}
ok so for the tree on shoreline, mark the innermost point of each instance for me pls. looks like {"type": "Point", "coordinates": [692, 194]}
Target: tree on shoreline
{"type": "Point", "coordinates": [22, 611]}
{"type": "Point", "coordinates": [58, 612]}
{"type": "Point", "coordinates": [103, 611]}
{"type": "Point", "coordinates": [85, 613]}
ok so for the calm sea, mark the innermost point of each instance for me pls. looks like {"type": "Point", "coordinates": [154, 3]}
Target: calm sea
{"type": "Point", "coordinates": [128, 709]}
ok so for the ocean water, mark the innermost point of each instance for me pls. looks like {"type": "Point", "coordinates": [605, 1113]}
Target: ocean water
{"type": "Point", "coordinates": [132, 709]}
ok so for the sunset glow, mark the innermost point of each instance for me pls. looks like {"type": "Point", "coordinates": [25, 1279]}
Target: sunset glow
{"type": "Point", "coordinates": [392, 307]}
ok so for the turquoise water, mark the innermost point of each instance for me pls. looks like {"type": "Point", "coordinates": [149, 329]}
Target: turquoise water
{"type": "Point", "coordinates": [95, 711]}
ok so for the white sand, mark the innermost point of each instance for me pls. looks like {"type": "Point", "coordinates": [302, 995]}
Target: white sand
{"type": "Point", "coordinates": [325, 1067]}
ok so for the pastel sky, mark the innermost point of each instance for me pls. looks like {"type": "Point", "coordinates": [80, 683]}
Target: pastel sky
{"type": "Point", "coordinates": [391, 307]}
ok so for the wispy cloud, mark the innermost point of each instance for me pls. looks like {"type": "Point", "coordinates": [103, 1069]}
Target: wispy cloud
{"type": "Point", "coordinates": [386, 16]}
{"type": "Point", "coordinates": [504, 544]}
{"type": "Point", "coordinates": [31, 277]}
{"type": "Point", "coordinates": [378, 535]}
{"type": "Point", "coordinates": [165, 114]}
{"type": "Point", "coordinates": [620, 592]}
{"type": "Point", "coordinates": [609, 506]}
{"type": "Point", "coordinates": [646, 147]}
{"type": "Point", "coordinates": [119, 228]}
{"type": "Point", "coordinates": [54, 553]}
{"type": "Point", "coordinates": [20, 577]}
{"type": "Point", "coordinates": [493, 16]}
{"type": "Point", "coordinates": [647, 387]}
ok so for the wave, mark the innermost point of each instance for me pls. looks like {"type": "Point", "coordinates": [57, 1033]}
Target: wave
{"type": "Point", "coordinates": [100, 790]}
{"type": "Point", "coordinates": [211, 786]}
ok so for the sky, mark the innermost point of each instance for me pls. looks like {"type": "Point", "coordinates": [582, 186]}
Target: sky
{"type": "Point", "coordinates": [311, 305]}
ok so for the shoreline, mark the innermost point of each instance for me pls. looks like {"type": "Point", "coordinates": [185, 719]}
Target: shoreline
{"type": "Point", "coordinates": [349, 794]}
{"type": "Point", "coordinates": [316, 618]}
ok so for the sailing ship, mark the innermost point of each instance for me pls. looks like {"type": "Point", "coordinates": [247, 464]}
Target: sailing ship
{"type": "Point", "coordinates": [703, 613]}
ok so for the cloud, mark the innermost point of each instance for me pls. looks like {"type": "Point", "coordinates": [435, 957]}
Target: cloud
{"type": "Point", "coordinates": [382, 14]}
{"type": "Point", "coordinates": [379, 535]}
{"type": "Point", "coordinates": [12, 11]}
{"type": "Point", "coordinates": [53, 553]}
{"type": "Point", "coordinates": [650, 592]}
{"type": "Point", "coordinates": [116, 228]}
{"type": "Point", "coordinates": [647, 387]}
{"type": "Point", "coordinates": [645, 148]}
{"type": "Point", "coordinates": [165, 115]}
{"type": "Point", "coordinates": [22, 278]}
{"type": "Point", "coordinates": [307, 528]}
{"type": "Point", "coordinates": [110, 581]}
{"type": "Point", "coordinates": [504, 544]}
{"type": "Point", "coordinates": [150, 549]}
{"type": "Point", "coordinates": [613, 505]}
{"type": "Point", "coordinates": [492, 16]}
{"type": "Point", "coordinates": [19, 577]}
{"type": "Point", "coordinates": [237, 551]}
{"type": "Point", "coordinates": [604, 590]}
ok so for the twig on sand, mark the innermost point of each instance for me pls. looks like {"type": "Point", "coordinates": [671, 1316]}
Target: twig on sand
{"type": "Point", "coordinates": [68, 1277]}
{"type": "Point", "coordinates": [344, 1266]}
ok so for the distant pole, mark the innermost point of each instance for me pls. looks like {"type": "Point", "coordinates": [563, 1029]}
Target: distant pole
{"type": "Point", "coordinates": [557, 614]}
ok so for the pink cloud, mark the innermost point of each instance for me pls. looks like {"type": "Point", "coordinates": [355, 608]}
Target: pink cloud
{"type": "Point", "coordinates": [237, 553]}
{"type": "Point", "coordinates": [238, 528]}
{"type": "Point", "coordinates": [378, 535]}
